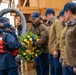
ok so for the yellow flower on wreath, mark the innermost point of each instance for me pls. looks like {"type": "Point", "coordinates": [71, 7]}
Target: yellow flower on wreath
{"type": "Point", "coordinates": [24, 53]}
{"type": "Point", "coordinates": [28, 59]}
{"type": "Point", "coordinates": [32, 53]}
{"type": "Point", "coordinates": [36, 55]}
{"type": "Point", "coordinates": [27, 50]}
{"type": "Point", "coordinates": [33, 48]}
{"type": "Point", "coordinates": [26, 56]}
{"type": "Point", "coordinates": [37, 39]}
{"type": "Point", "coordinates": [25, 40]}
{"type": "Point", "coordinates": [28, 42]}
{"type": "Point", "coordinates": [38, 51]}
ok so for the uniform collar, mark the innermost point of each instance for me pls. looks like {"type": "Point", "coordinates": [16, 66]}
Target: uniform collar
{"type": "Point", "coordinates": [72, 23]}
{"type": "Point", "coordinates": [37, 24]}
{"type": "Point", "coordinates": [51, 21]}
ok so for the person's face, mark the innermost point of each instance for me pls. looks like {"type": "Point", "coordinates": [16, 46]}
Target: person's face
{"type": "Point", "coordinates": [48, 17]}
{"type": "Point", "coordinates": [18, 23]}
{"type": "Point", "coordinates": [1, 24]}
{"type": "Point", "coordinates": [8, 20]}
{"type": "Point", "coordinates": [35, 20]}
{"type": "Point", "coordinates": [67, 15]}
{"type": "Point", "coordinates": [7, 29]}
{"type": "Point", "coordinates": [62, 18]}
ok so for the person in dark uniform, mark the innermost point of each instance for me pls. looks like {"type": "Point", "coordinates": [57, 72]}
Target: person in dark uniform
{"type": "Point", "coordinates": [2, 20]}
{"type": "Point", "coordinates": [19, 27]}
{"type": "Point", "coordinates": [70, 36]}
{"type": "Point", "coordinates": [61, 18]}
{"type": "Point", "coordinates": [10, 30]}
{"type": "Point", "coordinates": [55, 28]}
{"type": "Point", "coordinates": [8, 45]}
{"type": "Point", "coordinates": [37, 27]}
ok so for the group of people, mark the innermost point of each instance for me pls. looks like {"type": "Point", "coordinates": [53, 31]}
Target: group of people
{"type": "Point", "coordinates": [57, 38]}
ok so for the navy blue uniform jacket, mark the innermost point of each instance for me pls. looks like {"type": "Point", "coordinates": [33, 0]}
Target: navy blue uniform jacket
{"type": "Point", "coordinates": [8, 60]}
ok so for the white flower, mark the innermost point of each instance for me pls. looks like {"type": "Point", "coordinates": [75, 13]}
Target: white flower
{"type": "Point", "coordinates": [30, 39]}
{"type": "Point", "coordinates": [24, 53]}
{"type": "Point", "coordinates": [36, 55]}
{"type": "Point", "coordinates": [28, 36]}
{"type": "Point", "coordinates": [37, 39]}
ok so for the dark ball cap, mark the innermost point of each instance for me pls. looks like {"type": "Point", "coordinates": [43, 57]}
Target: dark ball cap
{"type": "Point", "coordinates": [6, 25]}
{"type": "Point", "coordinates": [34, 15]}
{"type": "Point", "coordinates": [69, 5]}
{"type": "Point", "coordinates": [61, 13]}
{"type": "Point", "coordinates": [3, 19]}
{"type": "Point", "coordinates": [49, 11]}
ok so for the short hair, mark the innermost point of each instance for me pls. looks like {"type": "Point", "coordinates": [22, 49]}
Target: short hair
{"type": "Point", "coordinates": [73, 11]}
